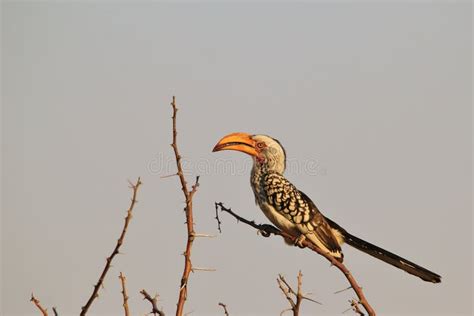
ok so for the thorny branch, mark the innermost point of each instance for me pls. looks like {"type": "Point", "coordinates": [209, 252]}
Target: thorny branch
{"type": "Point", "coordinates": [35, 301]}
{"type": "Point", "coordinates": [153, 301]}
{"type": "Point", "coordinates": [100, 282]}
{"type": "Point", "coordinates": [265, 229]}
{"type": "Point", "coordinates": [188, 195]}
{"type": "Point", "coordinates": [224, 307]}
{"type": "Point", "coordinates": [123, 280]}
{"type": "Point", "coordinates": [268, 230]}
{"type": "Point", "coordinates": [289, 292]}
{"type": "Point", "coordinates": [219, 223]}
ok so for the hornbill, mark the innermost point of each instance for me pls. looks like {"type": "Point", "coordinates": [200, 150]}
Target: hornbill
{"type": "Point", "coordinates": [293, 212]}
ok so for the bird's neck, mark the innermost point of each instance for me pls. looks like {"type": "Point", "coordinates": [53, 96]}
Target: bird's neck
{"type": "Point", "coordinates": [259, 170]}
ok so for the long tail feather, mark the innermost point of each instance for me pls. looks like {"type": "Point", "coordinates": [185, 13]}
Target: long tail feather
{"type": "Point", "coordinates": [387, 256]}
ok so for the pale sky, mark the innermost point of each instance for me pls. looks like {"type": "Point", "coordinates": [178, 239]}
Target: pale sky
{"type": "Point", "coordinates": [371, 101]}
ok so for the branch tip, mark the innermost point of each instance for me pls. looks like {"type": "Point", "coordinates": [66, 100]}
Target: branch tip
{"type": "Point", "coordinates": [37, 303]}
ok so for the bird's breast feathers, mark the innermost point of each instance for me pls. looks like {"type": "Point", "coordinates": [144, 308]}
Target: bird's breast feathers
{"type": "Point", "coordinates": [278, 219]}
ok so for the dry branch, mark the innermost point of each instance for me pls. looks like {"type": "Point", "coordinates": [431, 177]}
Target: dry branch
{"type": "Point", "coordinates": [268, 230]}
{"type": "Point", "coordinates": [188, 195]}
{"type": "Point", "coordinates": [289, 293]}
{"type": "Point", "coordinates": [219, 223]}
{"type": "Point", "coordinates": [35, 301]}
{"type": "Point", "coordinates": [153, 301]}
{"type": "Point", "coordinates": [123, 280]}
{"type": "Point", "coordinates": [100, 282]}
{"type": "Point", "coordinates": [224, 307]}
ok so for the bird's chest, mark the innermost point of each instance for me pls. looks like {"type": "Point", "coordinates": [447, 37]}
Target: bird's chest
{"type": "Point", "coordinates": [260, 189]}
{"type": "Point", "coordinates": [278, 219]}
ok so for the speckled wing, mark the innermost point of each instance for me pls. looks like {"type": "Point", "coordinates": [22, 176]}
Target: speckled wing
{"type": "Point", "coordinates": [298, 208]}
{"type": "Point", "coordinates": [323, 231]}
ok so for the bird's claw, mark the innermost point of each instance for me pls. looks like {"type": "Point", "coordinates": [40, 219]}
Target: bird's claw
{"type": "Point", "coordinates": [266, 230]}
{"type": "Point", "coordinates": [299, 241]}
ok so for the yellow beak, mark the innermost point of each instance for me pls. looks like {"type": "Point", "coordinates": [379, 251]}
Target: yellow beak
{"type": "Point", "coordinates": [237, 141]}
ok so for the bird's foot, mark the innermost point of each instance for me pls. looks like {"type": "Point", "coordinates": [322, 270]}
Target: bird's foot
{"type": "Point", "coordinates": [299, 241]}
{"type": "Point", "coordinates": [266, 230]}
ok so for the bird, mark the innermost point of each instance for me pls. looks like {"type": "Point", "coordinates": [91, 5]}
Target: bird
{"type": "Point", "coordinates": [293, 212]}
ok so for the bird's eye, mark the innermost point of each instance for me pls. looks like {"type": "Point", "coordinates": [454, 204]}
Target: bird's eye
{"type": "Point", "coordinates": [260, 145]}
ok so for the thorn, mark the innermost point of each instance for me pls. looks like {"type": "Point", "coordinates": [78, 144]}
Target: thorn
{"type": "Point", "coordinates": [311, 300]}
{"type": "Point", "coordinates": [345, 311]}
{"type": "Point", "coordinates": [203, 269]}
{"type": "Point", "coordinates": [169, 176]}
{"type": "Point", "coordinates": [204, 235]}
{"type": "Point", "coordinates": [343, 290]}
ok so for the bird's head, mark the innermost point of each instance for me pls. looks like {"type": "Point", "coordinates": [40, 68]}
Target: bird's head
{"type": "Point", "coordinates": [264, 149]}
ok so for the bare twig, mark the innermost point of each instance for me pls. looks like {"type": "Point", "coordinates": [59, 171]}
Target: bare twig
{"type": "Point", "coordinates": [153, 301]}
{"type": "Point", "coordinates": [224, 307]}
{"type": "Point", "coordinates": [35, 301]}
{"type": "Point", "coordinates": [55, 311]}
{"type": "Point", "coordinates": [268, 230]}
{"type": "Point", "coordinates": [219, 223]}
{"type": "Point", "coordinates": [289, 292]}
{"type": "Point", "coordinates": [123, 280]}
{"type": "Point", "coordinates": [100, 282]}
{"type": "Point", "coordinates": [188, 195]}
{"type": "Point", "coordinates": [265, 229]}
